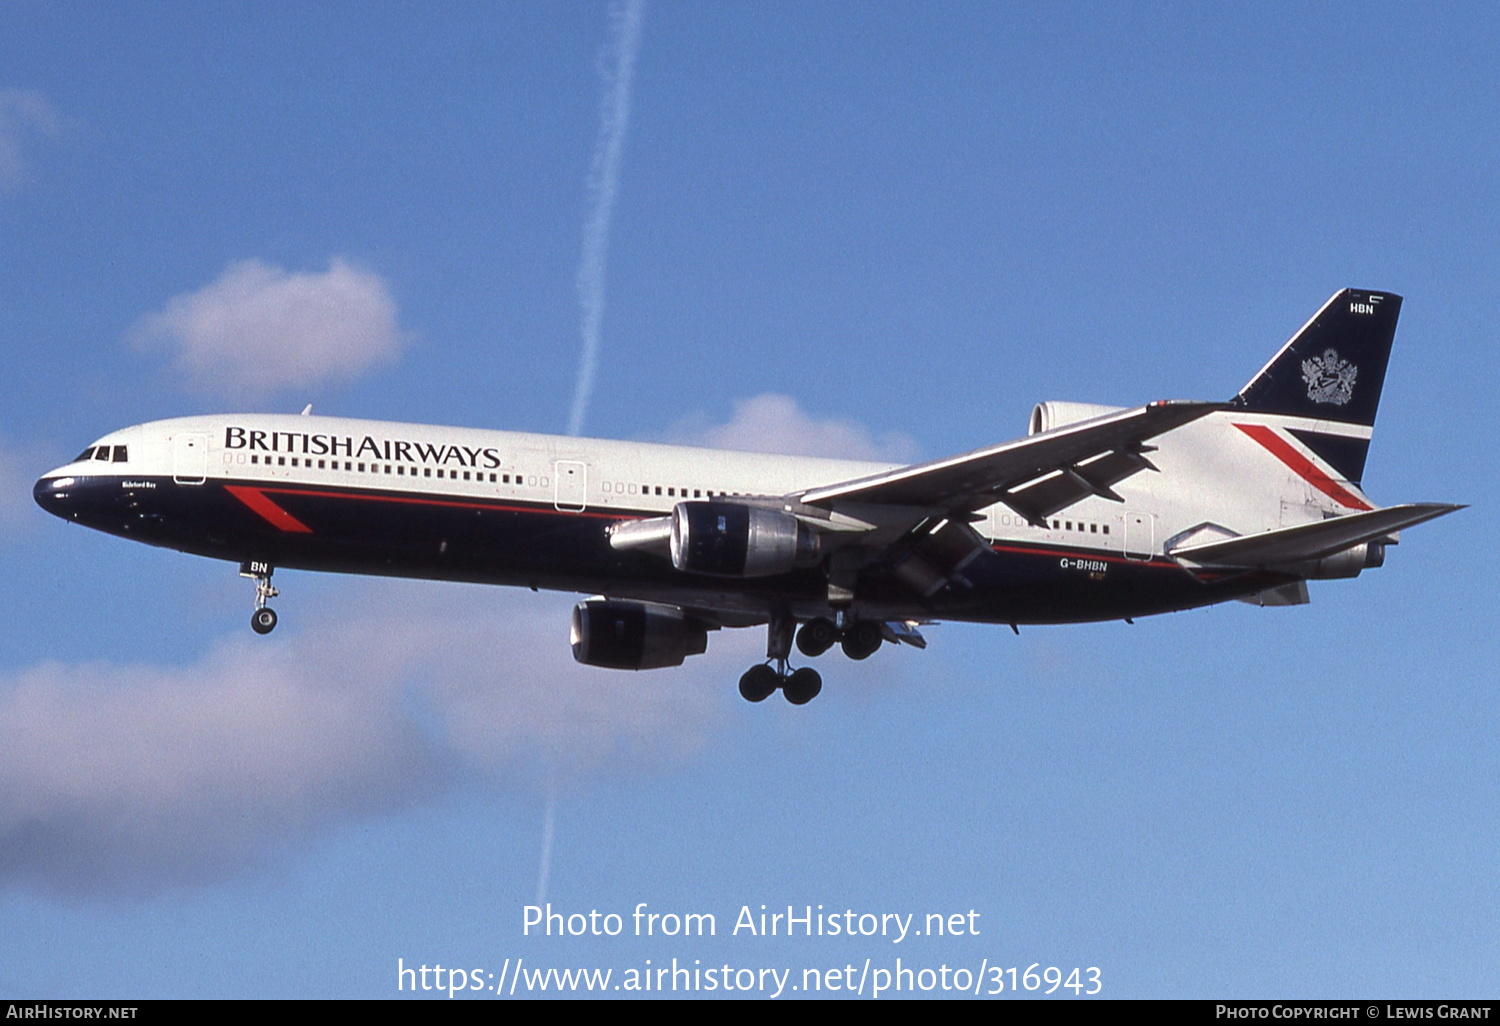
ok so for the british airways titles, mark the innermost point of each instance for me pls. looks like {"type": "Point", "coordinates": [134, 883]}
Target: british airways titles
{"type": "Point", "coordinates": [368, 447]}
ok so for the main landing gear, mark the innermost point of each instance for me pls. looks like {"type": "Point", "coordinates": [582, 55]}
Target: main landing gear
{"type": "Point", "coordinates": [860, 639]}
{"type": "Point", "coordinates": [263, 620]}
{"type": "Point", "coordinates": [799, 686]}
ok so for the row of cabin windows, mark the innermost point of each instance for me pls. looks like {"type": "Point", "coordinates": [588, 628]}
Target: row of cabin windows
{"type": "Point", "coordinates": [109, 453]}
{"type": "Point", "coordinates": [399, 470]}
{"type": "Point", "coordinates": [1082, 526]}
{"type": "Point", "coordinates": [353, 466]}
{"type": "Point", "coordinates": [671, 491]}
{"type": "Point", "coordinates": [620, 487]}
{"type": "Point", "coordinates": [1090, 528]}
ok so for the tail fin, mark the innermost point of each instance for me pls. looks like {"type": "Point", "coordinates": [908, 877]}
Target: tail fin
{"type": "Point", "coordinates": [1332, 370]}
{"type": "Point", "coordinates": [1334, 367]}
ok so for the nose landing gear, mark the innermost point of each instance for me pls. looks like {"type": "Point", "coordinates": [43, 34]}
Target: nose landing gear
{"type": "Point", "coordinates": [263, 620]}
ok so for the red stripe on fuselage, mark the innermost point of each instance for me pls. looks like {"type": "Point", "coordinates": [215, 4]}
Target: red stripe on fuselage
{"type": "Point", "coordinates": [1302, 466]}
{"type": "Point", "coordinates": [1107, 557]}
{"type": "Point", "coordinates": [268, 510]}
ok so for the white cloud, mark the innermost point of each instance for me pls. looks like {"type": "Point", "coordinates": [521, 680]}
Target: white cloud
{"type": "Point", "coordinates": [775, 423]}
{"type": "Point", "coordinates": [128, 778]}
{"type": "Point", "coordinates": [259, 329]}
{"type": "Point", "coordinates": [24, 114]}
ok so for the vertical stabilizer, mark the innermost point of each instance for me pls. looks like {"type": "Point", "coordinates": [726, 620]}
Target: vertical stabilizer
{"type": "Point", "coordinates": [1332, 370]}
{"type": "Point", "coordinates": [1334, 367]}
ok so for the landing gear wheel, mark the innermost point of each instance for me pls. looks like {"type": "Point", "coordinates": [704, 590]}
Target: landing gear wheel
{"type": "Point", "coordinates": [263, 621]}
{"type": "Point", "coordinates": [862, 640]}
{"type": "Point", "coordinates": [802, 686]}
{"type": "Point", "coordinates": [816, 637]}
{"type": "Point", "coordinates": [758, 683]}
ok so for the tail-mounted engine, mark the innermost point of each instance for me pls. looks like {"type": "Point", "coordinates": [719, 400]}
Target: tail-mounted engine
{"type": "Point", "coordinates": [1346, 563]}
{"type": "Point", "coordinates": [623, 635]}
{"type": "Point", "coordinates": [726, 539]}
{"type": "Point", "coordinates": [1053, 414]}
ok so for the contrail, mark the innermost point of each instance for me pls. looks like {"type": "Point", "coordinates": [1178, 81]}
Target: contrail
{"type": "Point", "coordinates": [604, 176]}
{"type": "Point", "coordinates": [544, 870]}
{"type": "Point", "coordinates": [603, 183]}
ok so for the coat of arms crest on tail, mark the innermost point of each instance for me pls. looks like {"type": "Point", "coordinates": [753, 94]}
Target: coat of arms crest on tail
{"type": "Point", "coordinates": [1329, 379]}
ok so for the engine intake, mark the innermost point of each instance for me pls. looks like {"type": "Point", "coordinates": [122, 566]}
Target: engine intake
{"type": "Point", "coordinates": [726, 539]}
{"type": "Point", "coordinates": [624, 635]}
{"type": "Point", "coordinates": [1054, 414]}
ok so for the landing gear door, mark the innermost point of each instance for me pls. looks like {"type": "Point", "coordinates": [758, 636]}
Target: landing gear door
{"type": "Point", "coordinates": [572, 486]}
{"type": "Point", "coordinates": [189, 457]}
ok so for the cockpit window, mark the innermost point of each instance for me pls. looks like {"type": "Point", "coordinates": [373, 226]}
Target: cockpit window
{"type": "Point", "coordinates": [120, 454]}
{"type": "Point", "coordinates": [101, 453]}
{"type": "Point", "coordinates": [87, 454]}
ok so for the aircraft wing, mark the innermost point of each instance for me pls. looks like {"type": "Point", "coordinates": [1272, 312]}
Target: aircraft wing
{"type": "Point", "coordinates": [1035, 476]}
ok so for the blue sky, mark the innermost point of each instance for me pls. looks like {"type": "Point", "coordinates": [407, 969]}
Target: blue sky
{"type": "Point", "coordinates": [864, 229]}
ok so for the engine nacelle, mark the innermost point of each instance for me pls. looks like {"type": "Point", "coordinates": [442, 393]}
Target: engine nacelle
{"type": "Point", "coordinates": [1049, 415]}
{"type": "Point", "coordinates": [622, 635]}
{"type": "Point", "coordinates": [726, 539]}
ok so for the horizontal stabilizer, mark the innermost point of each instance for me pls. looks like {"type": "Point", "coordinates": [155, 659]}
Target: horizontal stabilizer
{"type": "Point", "coordinates": [1290, 545]}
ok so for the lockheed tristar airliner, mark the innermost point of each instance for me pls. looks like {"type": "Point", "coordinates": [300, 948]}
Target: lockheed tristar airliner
{"type": "Point", "coordinates": [1098, 513]}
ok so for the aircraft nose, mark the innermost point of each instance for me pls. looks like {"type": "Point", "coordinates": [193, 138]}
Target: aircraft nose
{"type": "Point", "coordinates": [58, 495]}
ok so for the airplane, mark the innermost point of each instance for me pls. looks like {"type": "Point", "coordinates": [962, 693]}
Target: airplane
{"type": "Point", "coordinates": [1098, 513]}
